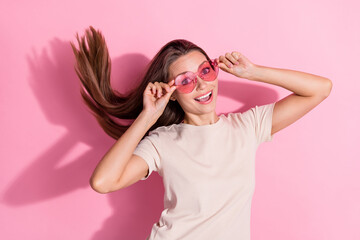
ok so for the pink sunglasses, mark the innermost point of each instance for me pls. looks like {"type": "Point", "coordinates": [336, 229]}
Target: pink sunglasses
{"type": "Point", "coordinates": [186, 82]}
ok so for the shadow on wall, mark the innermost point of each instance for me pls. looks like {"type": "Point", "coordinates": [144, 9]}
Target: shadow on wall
{"type": "Point", "coordinates": [56, 86]}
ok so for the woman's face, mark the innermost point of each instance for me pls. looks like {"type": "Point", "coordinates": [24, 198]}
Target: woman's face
{"type": "Point", "coordinates": [191, 62]}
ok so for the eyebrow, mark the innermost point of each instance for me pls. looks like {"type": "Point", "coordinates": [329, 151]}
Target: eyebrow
{"type": "Point", "coordinates": [188, 71]}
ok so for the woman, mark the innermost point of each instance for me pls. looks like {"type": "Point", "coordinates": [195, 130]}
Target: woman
{"type": "Point", "coordinates": [206, 160]}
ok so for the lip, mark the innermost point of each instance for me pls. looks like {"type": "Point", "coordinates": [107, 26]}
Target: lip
{"type": "Point", "coordinates": [204, 94]}
{"type": "Point", "coordinates": [208, 101]}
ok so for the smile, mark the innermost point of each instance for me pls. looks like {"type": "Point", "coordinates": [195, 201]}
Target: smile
{"type": "Point", "coordinates": [204, 98]}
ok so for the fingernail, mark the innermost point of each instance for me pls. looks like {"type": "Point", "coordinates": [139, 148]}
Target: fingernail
{"type": "Point", "coordinates": [229, 65]}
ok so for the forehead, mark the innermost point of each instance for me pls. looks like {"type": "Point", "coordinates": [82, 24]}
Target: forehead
{"type": "Point", "coordinates": [189, 62]}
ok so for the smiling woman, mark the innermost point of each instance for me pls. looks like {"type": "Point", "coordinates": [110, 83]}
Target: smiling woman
{"type": "Point", "coordinates": [207, 161]}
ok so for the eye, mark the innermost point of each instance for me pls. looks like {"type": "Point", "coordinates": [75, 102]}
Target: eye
{"type": "Point", "coordinates": [185, 81]}
{"type": "Point", "coordinates": [205, 70]}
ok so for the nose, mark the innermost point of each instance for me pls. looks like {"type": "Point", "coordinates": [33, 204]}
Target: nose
{"type": "Point", "coordinates": [200, 83]}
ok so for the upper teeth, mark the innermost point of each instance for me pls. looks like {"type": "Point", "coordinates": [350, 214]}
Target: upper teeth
{"type": "Point", "coordinates": [205, 96]}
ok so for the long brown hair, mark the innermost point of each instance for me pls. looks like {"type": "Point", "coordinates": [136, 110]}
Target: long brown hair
{"type": "Point", "coordinates": [93, 67]}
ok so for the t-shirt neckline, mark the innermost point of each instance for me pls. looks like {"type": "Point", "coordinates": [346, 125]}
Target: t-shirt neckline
{"type": "Point", "coordinates": [206, 126]}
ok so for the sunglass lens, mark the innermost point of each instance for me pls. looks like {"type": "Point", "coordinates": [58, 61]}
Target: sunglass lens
{"type": "Point", "coordinates": [185, 82]}
{"type": "Point", "coordinates": [208, 71]}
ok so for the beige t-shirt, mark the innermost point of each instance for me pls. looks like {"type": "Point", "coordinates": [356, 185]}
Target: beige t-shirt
{"type": "Point", "coordinates": [208, 173]}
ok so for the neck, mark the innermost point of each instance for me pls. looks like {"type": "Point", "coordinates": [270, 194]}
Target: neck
{"type": "Point", "coordinates": [198, 120]}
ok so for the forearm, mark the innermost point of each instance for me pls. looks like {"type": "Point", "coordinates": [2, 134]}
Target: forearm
{"type": "Point", "coordinates": [301, 83]}
{"type": "Point", "coordinates": [113, 163]}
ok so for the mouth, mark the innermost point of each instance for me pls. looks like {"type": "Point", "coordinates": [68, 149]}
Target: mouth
{"type": "Point", "coordinates": [204, 97]}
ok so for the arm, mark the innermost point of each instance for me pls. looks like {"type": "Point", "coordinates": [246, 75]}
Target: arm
{"type": "Point", "coordinates": [308, 90]}
{"type": "Point", "coordinates": [111, 167]}
{"type": "Point", "coordinates": [119, 167]}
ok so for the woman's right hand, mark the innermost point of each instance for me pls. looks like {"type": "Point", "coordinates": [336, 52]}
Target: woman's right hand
{"type": "Point", "coordinates": [156, 96]}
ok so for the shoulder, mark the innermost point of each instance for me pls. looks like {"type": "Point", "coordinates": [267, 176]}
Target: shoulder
{"type": "Point", "coordinates": [253, 111]}
{"type": "Point", "coordinates": [164, 131]}
{"type": "Point", "coordinates": [250, 115]}
{"type": "Point", "coordinates": [245, 116]}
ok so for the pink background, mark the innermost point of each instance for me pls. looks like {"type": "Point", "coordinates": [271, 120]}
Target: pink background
{"type": "Point", "coordinates": [307, 178]}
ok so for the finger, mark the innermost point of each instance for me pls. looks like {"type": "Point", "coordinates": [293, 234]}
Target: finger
{"type": "Point", "coordinates": [225, 61]}
{"type": "Point", "coordinates": [172, 82]}
{"type": "Point", "coordinates": [159, 89]}
{"type": "Point", "coordinates": [168, 94]}
{"type": "Point", "coordinates": [153, 88]}
{"type": "Point", "coordinates": [236, 55]}
{"type": "Point", "coordinates": [221, 63]}
{"type": "Point", "coordinates": [165, 86]}
{"type": "Point", "coordinates": [149, 90]}
{"type": "Point", "coordinates": [172, 86]}
{"type": "Point", "coordinates": [231, 58]}
{"type": "Point", "coordinates": [224, 67]}
{"type": "Point", "coordinates": [217, 60]}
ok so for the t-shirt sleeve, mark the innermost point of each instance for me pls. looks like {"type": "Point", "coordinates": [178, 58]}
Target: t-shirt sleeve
{"type": "Point", "coordinates": [259, 119]}
{"type": "Point", "coordinates": [148, 149]}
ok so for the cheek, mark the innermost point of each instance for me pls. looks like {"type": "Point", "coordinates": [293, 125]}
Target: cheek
{"type": "Point", "coordinates": [185, 99]}
{"type": "Point", "coordinates": [216, 85]}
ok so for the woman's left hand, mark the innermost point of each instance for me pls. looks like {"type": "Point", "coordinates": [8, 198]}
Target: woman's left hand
{"type": "Point", "coordinates": [236, 64]}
